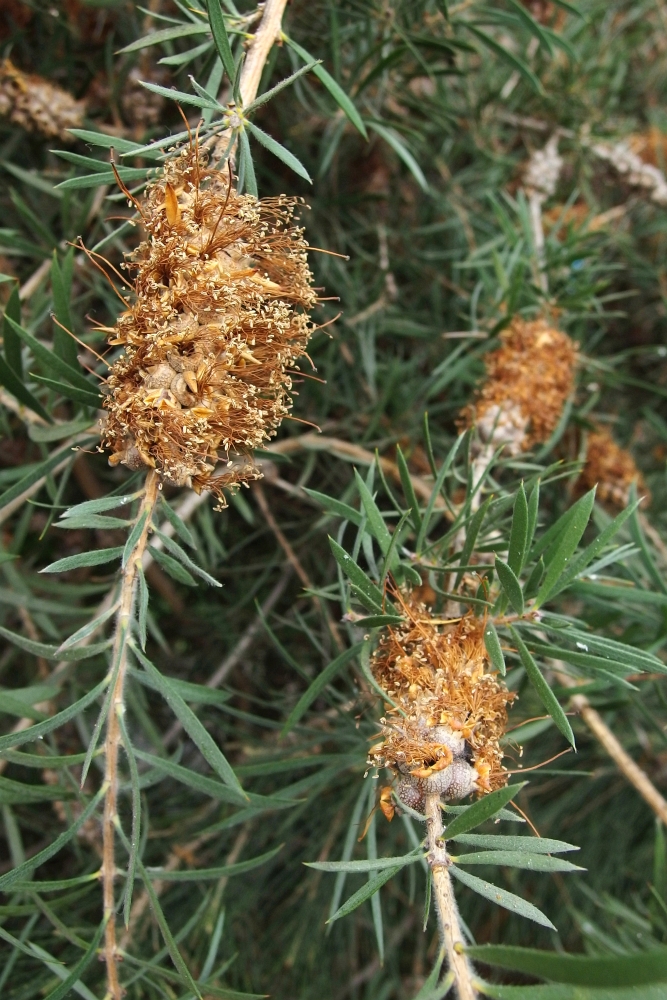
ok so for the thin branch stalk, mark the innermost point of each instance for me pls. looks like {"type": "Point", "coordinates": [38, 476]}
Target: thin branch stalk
{"type": "Point", "coordinates": [624, 762]}
{"type": "Point", "coordinates": [264, 38]}
{"type": "Point", "coordinates": [113, 734]}
{"type": "Point", "coordinates": [445, 901]}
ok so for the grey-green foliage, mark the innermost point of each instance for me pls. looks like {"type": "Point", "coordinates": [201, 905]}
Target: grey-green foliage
{"type": "Point", "coordinates": [414, 120]}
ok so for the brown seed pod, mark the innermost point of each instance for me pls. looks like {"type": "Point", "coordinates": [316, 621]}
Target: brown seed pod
{"type": "Point", "coordinates": [529, 378]}
{"type": "Point", "coordinates": [220, 312]}
{"type": "Point", "coordinates": [36, 104]}
{"type": "Point", "coordinates": [447, 706]}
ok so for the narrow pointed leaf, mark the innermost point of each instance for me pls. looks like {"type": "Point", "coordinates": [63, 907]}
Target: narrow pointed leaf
{"type": "Point", "coordinates": [558, 557]}
{"type": "Point", "coordinates": [336, 91]}
{"type": "Point", "coordinates": [373, 885]}
{"type": "Point", "coordinates": [510, 585]}
{"type": "Point", "coordinates": [95, 558]}
{"type": "Point", "coordinates": [50, 360]}
{"type": "Point", "coordinates": [289, 159]}
{"type": "Point", "coordinates": [493, 647]}
{"type": "Point", "coordinates": [501, 897]}
{"type": "Point", "coordinates": [518, 533]}
{"type": "Point", "coordinates": [544, 692]}
{"type": "Point", "coordinates": [318, 685]}
{"type": "Point", "coordinates": [482, 810]}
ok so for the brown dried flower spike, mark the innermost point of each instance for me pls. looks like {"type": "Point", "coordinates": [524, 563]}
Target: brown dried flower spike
{"type": "Point", "coordinates": [36, 104]}
{"type": "Point", "coordinates": [611, 468]}
{"type": "Point", "coordinates": [222, 292]}
{"type": "Point", "coordinates": [529, 379]}
{"type": "Point", "coordinates": [455, 711]}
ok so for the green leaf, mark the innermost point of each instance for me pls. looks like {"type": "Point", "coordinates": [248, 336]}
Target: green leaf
{"type": "Point", "coordinates": [618, 652]}
{"type": "Point", "coordinates": [180, 554]}
{"type": "Point", "coordinates": [375, 523]}
{"type": "Point", "coordinates": [42, 728]}
{"type": "Point", "coordinates": [533, 845]}
{"type": "Point", "coordinates": [50, 360]}
{"type": "Point", "coordinates": [336, 507]}
{"type": "Point", "coordinates": [501, 897]}
{"type": "Point", "coordinates": [533, 510]}
{"type": "Point", "coordinates": [133, 537]}
{"type": "Point", "coordinates": [64, 345]}
{"type": "Point", "coordinates": [336, 91]}
{"type": "Point", "coordinates": [640, 541]}
{"type": "Point", "coordinates": [516, 555]}
{"type": "Point", "coordinates": [12, 343]}
{"type": "Point", "coordinates": [374, 884]}
{"type": "Point", "coordinates": [503, 53]}
{"type": "Point", "coordinates": [563, 992]}
{"type": "Point", "coordinates": [88, 398]}
{"type": "Point", "coordinates": [172, 566]}
{"type": "Point", "coordinates": [518, 859]}
{"type": "Point", "coordinates": [193, 727]}
{"type": "Point", "coordinates": [177, 523]}
{"type": "Point", "coordinates": [95, 558]}
{"type": "Point", "coordinates": [155, 38]}
{"type": "Point", "coordinates": [318, 685]}
{"type": "Point", "coordinates": [224, 871]}
{"type": "Point", "coordinates": [378, 621]}
{"type": "Point", "coordinates": [544, 692]}
{"type": "Point", "coordinates": [38, 859]}
{"type": "Point", "coordinates": [192, 779]}
{"type": "Point", "coordinates": [221, 38]}
{"type": "Point", "coordinates": [88, 628]}
{"type": "Point", "coordinates": [71, 982]}
{"type": "Point", "coordinates": [440, 476]}
{"type": "Point", "coordinates": [493, 647]}
{"type": "Point", "coordinates": [269, 94]}
{"type": "Point", "coordinates": [394, 140]}
{"type": "Point", "coordinates": [365, 865]}
{"type": "Point", "coordinates": [92, 521]}
{"type": "Point", "coordinates": [278, 150]}
{"type": "Point", "coordinates": [578, 565]}
{"type": "Point", "coordinates": [636, 969]}
{"type": "Point", "coordinates": [56, 432]}
{"type": "Point", "coordinates": [19, 793]}
{"type": "Point", "coordinates": [97, 506]}
{"type": "Point", "coordinates": [408, 489]}
{"type": "Point", "coordinates": [510, 585]}
{"type": "Point", "coordinates": [565, 544]}
{"type": "Point", "coordinates": [246, 176]}
{"type": "Point", "coordinates": [144, 597]}
{"type": "Point", "coordinates": [472, 531]}
{"type": "Point", "coordinates": [482, 810]}
{"type": "Point", "coordinates": [51, 652]}
{"type": "Point", "coordinates": [370, 595]}
{"type": "Point", "coordinates": [15, 386]}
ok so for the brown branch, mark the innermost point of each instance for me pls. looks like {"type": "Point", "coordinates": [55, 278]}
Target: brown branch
{"type": "Point", "coordinates": [114, 733]}
{"type": "Point", "coordinates": [445, 901]}
{"type": "Point", "coordinates": [624, 762]}
{"type": "Point", "coordinates": [263, 41]}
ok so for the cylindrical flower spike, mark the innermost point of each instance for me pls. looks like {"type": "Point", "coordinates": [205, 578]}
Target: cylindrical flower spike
{"type": "Point", "coordinates": [529, 379]}
{"type": "Point", "coordinates": [222, 295]}
{"type": "Point", "coordinates": [611, 468]}
{"type": "Point", "coordinates": [36, 104]}
{"type": "Point", "coordinates": [454, 710]}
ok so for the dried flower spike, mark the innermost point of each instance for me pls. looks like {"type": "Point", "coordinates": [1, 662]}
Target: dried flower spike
{"type": "Point", "coordinates": [455, 710]}
{"type": "Point", "coordinates": [36, 104]}
{"type": "Point", "coordinates": [529, 379]}
{"type": "Point", "coordinates": [611, 468]}
{"type": "Point", "coordinates": [222, 294]}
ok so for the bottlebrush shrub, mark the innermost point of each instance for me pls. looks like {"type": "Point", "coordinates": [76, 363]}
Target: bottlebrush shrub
{"type": "Point", "coordinates": [222, 294]}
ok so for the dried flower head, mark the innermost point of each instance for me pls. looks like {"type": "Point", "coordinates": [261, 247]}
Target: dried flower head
{"type": "Point", "coordinates": [36, 104]}
{"type": "Point", "coordinates": [611, 468]}
{"type": "Point", "coordinates": [529, 378]}
{"type": "Point", "coordinates": [222, 293]}
{"type": "Point", "coordinates": [443, 732]}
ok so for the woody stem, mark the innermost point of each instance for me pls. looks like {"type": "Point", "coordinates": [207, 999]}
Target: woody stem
{"type": "Point", "coordinates": [113, 733]}
{"type": "Point", "coordinates": [445, 901]}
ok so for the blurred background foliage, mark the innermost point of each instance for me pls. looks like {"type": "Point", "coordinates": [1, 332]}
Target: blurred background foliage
{"type": "Point", "coordinates": [431, 212]}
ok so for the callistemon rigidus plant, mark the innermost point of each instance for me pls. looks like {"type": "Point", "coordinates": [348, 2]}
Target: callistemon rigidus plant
{"type": "Point", "coordinates": [37, 104]}
{"type": "Point", "coordinates": [442, 731]}
{"type": "Point", "coordinates": [220, 313]}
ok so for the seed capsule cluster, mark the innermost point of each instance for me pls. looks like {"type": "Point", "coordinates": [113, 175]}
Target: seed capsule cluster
{"type": "Point", "coordinates": [220, 312]}
{"type": "Point", "coordinates": [442, 732]}
{"type": "Point", "coordinates": [529, 379]}
{"type": "Point", "coordinates": [37, 105]}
